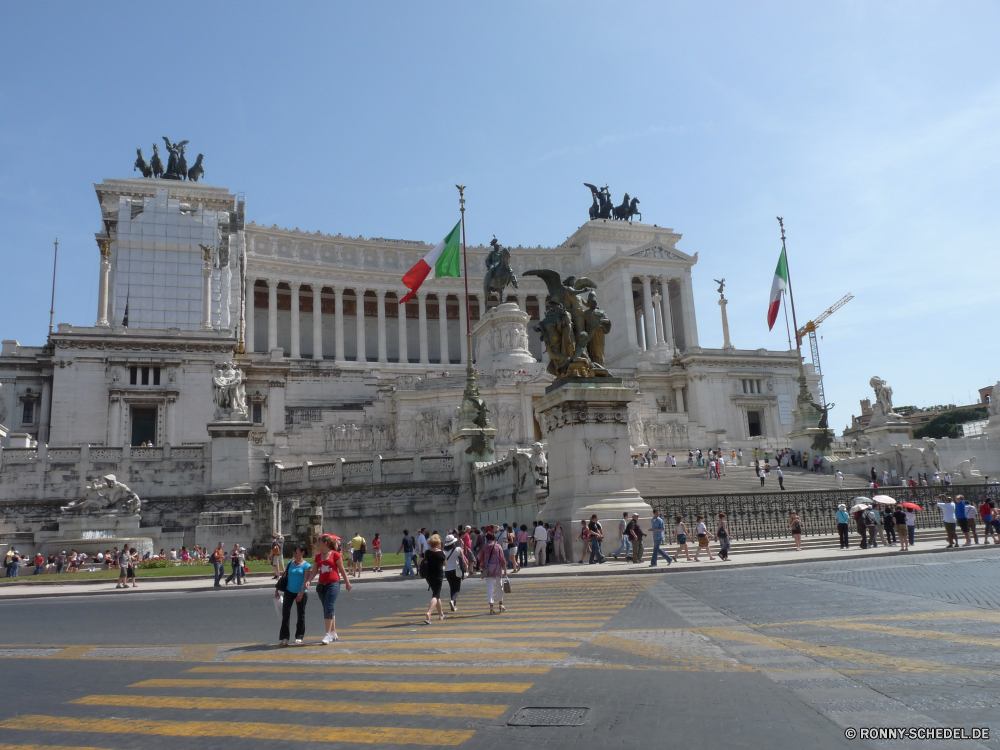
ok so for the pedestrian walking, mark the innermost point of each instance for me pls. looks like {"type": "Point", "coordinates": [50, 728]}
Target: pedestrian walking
{"type": "Point", "coordinates": [962, 515]}
{"type": "Point", "coordinates": [843, 526]}
{"type": "Point", "coordinates": [680, 534]}
{"type": "Point", "coordinates": [781, 478]}
{"type": "Point", "coordinates": [635, 534]}
{"type": "Point", "coordinates": [541, 536]}
{"type": "Point", "coordinates": [840, 479]}
{"type": "Point", "coordinates": [293, 589]}
{"type": "Point", "coordinates": [657, 529]}
{"type": "Point", "coordinates": [585, 538]}
{"type": "Point", "coordinates": [234, 564]}
{"type": "Point", "coordinates": [132, 562]}
{"type": "Point", "coordinates": [376, 554]}
{"type": "Point", "coordinates": [760, 473]}
{"type": "Point", "coordinates": [626, 545]}
{"type": "Point", "coordinates": [948, 518]}
{"type": "Point", "coordinates": [123, 561]}
{"type": "Point", "coordinates": [889, 524]}
{"type": "Point", "coordinates": [986, 513]}
{"type": "Point", "coordinates": [219, 563]}
{"type": "Point", "coordinates": [899, 517]}
{"type": "Point", "coordinates": [493, 565]}
{"type": "Point", "coordinates": [358, 549]}
{"type": "Point", "coordinates": [557, 543]}
{"type": "Point", "coordinates": [432, 570]}
{"type": "Point", "coordinates": [596, 536]}
{"type": "Point", "coordinates": [406, 547]}
{"type": "Point", "coordinates": [455, 569]}
{"type": "Point", "coordinates": [522, 546]}
{"type": "Point", "coordinates": [330, 570]}
{"type": "Point", "coordinates": [722, 534]}
{"type": "Point", "coordinates": [796, 523]}
{"type": "Point", "coordinates": [872, 527]}
{"type": "Point", "coordinates": [911, 525]}
{"type": "Point", "coordinates": [703, 538]}
{"type": "Point", "coordinates": [862, 527]}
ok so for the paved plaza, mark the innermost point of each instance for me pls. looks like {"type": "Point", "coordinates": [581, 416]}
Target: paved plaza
{"type": "Point", "coordinates": [787, 655]}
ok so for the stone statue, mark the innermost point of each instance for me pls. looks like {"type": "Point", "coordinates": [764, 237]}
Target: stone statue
{"type": "Point", "coordinates": [539, 464]}
{"type": "Point", "coordinates": [883, 400]}
{"type": "Point", "coordinates": [931, 455]}
{"type": "Point", "coordinates": [598, 326]}
{"type": "Point", "coordinates": [106, 494]}
{"type": "Point", "coordinates": [722, 285]}
{"type": "Point", "coordinates": [197, 170]}
{"type": "Point", "coordinates": [602, 206]}
{"type": "Point", "coordinates": [627, 210]}
{"type": "Point", "coordinates": [141, 165]}
{"type": "Point", "coordinates": [155, 164]}
{"type": "Point", "coordinates": [993, 407]}
{"type": "Point", "coordinates": [176, 151]}
{"type": "Point", "coordinates": [230, 393]}
{"type": "Point", "coordinates": [824, 421]}
{"type": "Point", "coordinates": [564, 328]}
{"type": "Point", "coordinates": [499, 275]}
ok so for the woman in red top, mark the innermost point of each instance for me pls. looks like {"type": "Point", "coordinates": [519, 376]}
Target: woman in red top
{"type": "Point", "coordinates": [376, 554]}
{"type": "Point", "coordinates": [330, 569]}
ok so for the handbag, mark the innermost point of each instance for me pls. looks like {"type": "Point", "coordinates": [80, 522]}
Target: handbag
{"type": "Point", "coordinates": [321, 589]}
{"type": "Point", "coordinates": [282, 584]}
{"type": "Point", "coordinates": [505, 582]}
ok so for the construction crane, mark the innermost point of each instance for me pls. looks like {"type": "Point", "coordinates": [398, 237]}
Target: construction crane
{"type": "Point", "coordinates": [810, 328]}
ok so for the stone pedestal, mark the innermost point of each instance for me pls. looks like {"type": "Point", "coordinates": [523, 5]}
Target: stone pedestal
{"type": "Point", "coordinates": [884, 435]}
{"type": "Point", "coordinates": [230, 454]}
{"type": "Point", "coordinates": [802, 439]}
{"type": "Point", "coordinates": [502, 341]}
{"type": "Point", "coordinates": [590, 466]}
{"type": "Point", "coordinates": [93, 533]}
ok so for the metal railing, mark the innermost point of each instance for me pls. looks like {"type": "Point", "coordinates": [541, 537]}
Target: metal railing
{"type": "Point", "coordinates": [765, 515]}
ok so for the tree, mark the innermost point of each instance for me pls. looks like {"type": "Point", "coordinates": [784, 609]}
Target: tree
{"type": "Point", "coordinates": [946, 425]}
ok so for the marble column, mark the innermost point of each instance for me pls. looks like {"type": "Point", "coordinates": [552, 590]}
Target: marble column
{"type": "Point", "coordinates": [522, 302]}
{"type": "Point", "coordinates": [206, 297]}
{"type": "Point", "coordinates": [665, 317]}
{"type": "Point", "coordinates": [359, 318]}
{"type": "Point", "coordinates": [679, 398]}
{"type": "Point", "coordinates": [648, 316]}
{"type": "Point", "coordinates": [726, 343]}
{"type": "Point", "coordinates": [658, 317]}
{"type": "Point", "coordinates": [102, 284]}
{"type": "Point", "coordinates": [382, 354]}
{"type": "Point", "coordinates": [422, 302]}
{"type": "Point", "coordinates": [272, 314]}
{"type": "Point", "coordinates": [296, 331]}
{"type": "Point", "coordinates": [248, 311]}
{"type": "Point", "coordinates": [338, 322]}
{"type": "Point", "coordinates": [640, 333]}
{"type": "Point", "coordinates": [463, 343]}
{"type": "Point", "coordinates": [443, 326]}
{"type": "Point", "coordinates": [688, 319]}
{"type": "Point", "coordinates": [404, 355]}
{"type": "Point", "coordinates": [632, 331]}
{"type": "Point", "coordinates": [317, 291]}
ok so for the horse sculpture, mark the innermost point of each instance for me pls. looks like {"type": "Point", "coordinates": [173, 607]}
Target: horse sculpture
{"type": "Point", "coordinates": [602, 206]}
{"type": "Point", "coordinates": [627, 210]}
{"type": "Point", "coordinates": [197, 170]}
{"type": "Point", "coordinates": [141, 165]}
{"type": "Point", "coordinates": [155, 163]}
{"type": "Point", "coordinates": [499, 274]}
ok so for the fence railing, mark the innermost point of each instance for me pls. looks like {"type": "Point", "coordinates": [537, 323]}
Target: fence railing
{"type": "Point", "coordinates": [765, 515]}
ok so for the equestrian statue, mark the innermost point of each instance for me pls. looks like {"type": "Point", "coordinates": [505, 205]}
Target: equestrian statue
{"type": "Point", "coordinates": [499, 274]}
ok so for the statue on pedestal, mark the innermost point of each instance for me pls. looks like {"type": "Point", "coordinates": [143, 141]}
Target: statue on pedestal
{"type": "Point", "coordinates": [883, 401]}
{"type": "Point", "coordinates": [230, 393]}
{"type": "Point", "coordinates": [106, 494]}
{"type": "Point", "coordinates": [499, 274]}
{"type": "Point", "coordinates": [564, 328]}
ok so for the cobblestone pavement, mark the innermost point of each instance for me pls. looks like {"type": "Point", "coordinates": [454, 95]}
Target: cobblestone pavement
{"type": "Point", "coordinates": [789, 656]}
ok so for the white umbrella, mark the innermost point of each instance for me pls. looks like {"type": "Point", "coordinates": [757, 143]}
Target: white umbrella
{"type": "Point", "coordinates": [884, 500]}
{"type": "Point", "coordinates": [860, 506]}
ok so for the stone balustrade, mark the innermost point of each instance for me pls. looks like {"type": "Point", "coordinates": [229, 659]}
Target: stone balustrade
{"type": "Point", "coordinates": [376, 470]}
{"type": "Point", "coordinates": [505, 490]}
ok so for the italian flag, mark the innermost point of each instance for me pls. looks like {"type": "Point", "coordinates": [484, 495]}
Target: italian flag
{"type": "Point", "coordinates": [443, 260]}
{"type": "Point", "coordinates": [777, 287]}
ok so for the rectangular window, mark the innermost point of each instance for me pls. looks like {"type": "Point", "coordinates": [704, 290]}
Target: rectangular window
{"type": "Point", "coordinates": [257, 414]}
{"type": "Point", "coordinates": [133, 377]}
{"type": "Point", "coordinates": [28, 416]}
{"type": "Point", "coordinates": [754, 424]}
{"type": "Point", "coordinates": [758, 386]}
{"type": "Point", "coordinates": [145, 376]}
{"type": "Point", "coordinates": [143, 425]}
{"type": "Point", "coordinates": [156, 376]}
{"type": "Point", "coordinates": [745, 387]}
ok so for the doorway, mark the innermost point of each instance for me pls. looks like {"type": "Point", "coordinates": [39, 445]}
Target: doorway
{"type": "Point", "coordinates": [143, 425]}
{"type": "Point", "coordinates": [754, 425]}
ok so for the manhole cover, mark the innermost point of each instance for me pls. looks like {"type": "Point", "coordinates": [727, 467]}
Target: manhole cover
{"type": "Point", "coordinates": [549, 716]}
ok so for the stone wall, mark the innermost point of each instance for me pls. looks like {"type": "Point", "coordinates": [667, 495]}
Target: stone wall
{"type": "Point", "coordinates": [506, 491]}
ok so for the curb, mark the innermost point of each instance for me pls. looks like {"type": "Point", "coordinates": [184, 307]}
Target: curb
{"type": "Point", "coordinates": [574, 572]}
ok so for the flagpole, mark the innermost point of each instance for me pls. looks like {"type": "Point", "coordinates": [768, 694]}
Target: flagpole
{"type": "Point", "coordinates": [786, 319]}
{"type": "Point", "coordinates": [465, 274]}
{"type": "Point", "coordinates": [791, 297]}
{"type": "Point", "coordinates": [52, 308]}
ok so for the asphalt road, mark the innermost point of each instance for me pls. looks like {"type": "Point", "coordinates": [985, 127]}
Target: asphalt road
{"type": "Point", "coordinates": [784, 656]}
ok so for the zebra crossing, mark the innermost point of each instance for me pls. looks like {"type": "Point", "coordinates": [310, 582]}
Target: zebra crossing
{"type": "Point", "coordinates": [389, 680]}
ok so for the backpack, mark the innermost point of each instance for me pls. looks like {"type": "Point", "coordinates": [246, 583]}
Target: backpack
{"type": "Point", "coordinates": [423, 567]}
{"type": "Point", "coordinates": [870, 519]}
{"type": "Point", "coordinates": [364, 547]}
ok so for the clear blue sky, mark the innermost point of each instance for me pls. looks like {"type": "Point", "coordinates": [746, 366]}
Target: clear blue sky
{"type": "Point", "coordinates": [871, 127]}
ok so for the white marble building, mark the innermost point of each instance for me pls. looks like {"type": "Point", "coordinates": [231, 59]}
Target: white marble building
{"type": "Point", "coordinates": [334, 365]}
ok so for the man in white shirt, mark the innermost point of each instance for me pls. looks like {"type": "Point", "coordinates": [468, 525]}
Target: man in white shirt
{"type": "Point", "coordinates": [948, 517]}
{"type": "Point", "coordinates": [781, 479]}
{"type": "Point", "coordinates": [541, 539]}
{"type": "Point", "coordinates": [840, 479]}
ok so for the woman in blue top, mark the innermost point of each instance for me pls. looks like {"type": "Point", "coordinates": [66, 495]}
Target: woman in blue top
{"type": "Point", "coordinates": [296, 591]}
{"type": "Point", "coordinates": [843, 526]}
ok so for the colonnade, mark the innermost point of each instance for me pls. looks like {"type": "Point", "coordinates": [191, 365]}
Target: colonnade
{"type": "Point", "coordinates": [364, 352]}
{"type": "Point", "coordinates": [655, 320]}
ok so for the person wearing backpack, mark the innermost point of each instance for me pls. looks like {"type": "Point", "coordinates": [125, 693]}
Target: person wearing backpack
{"type": "Point", "coordinates": [358, 549]}
{"type": "Point", "coordinates": [871, 526]}
{"type": "Point", "coordinates": [455, 568]}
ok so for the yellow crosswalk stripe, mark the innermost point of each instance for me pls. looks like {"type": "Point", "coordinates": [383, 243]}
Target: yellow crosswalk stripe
{"type": "Point", "coordinates": [472, 710]}
{"type": "Point", "coordinates": [469, 630]}
{"type": "Point", "coordinates": [356, 686]}
{"type": "Point", "coordinates": [352, 669]}
{"type": "Point", "coordinates": [242, 730]}
{"type": "Point", "coordinates": [927, 635]}
{"type": "Point", "coordinates": [399, 634]}
{"type": "Point", "coordinates": [470, 655]}
{"type": "Point", "coordinates": [46, 747]}
{"type": "Point", "coordinates": [441, 641]}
